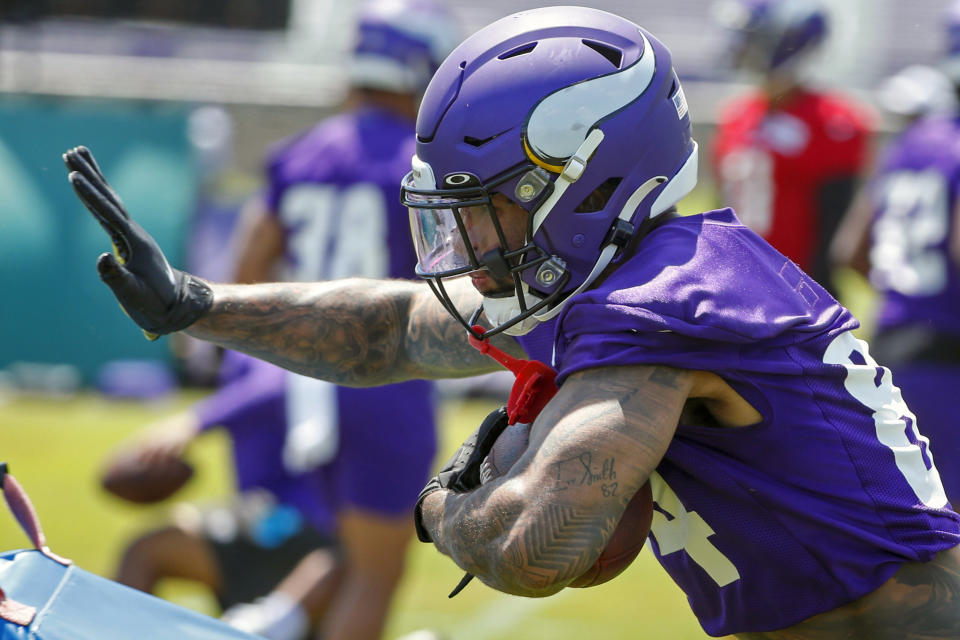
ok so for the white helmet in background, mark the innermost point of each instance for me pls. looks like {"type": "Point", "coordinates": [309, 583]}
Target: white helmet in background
{"type": "Point", "coordinates": [916, 91]}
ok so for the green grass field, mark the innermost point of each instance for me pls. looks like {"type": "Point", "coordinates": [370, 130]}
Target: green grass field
{"type": "Point", "coordinates": [54, 448]}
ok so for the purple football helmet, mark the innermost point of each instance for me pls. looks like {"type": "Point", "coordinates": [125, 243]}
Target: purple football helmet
{"type": "Point", "coordinates": [400, 43]}
{"type": "Point", "coordinates": [772, 36]}
{"type": "Point", "coordinates": [572, 113]}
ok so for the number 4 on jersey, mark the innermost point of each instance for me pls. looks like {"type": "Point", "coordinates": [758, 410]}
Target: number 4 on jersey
{"type": "Point", "coordinates": [687, 531]}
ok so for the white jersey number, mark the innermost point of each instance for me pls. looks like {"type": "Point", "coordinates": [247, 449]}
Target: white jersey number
{"type": "Point", "coordinates": [336, 232]}
{"type": "Point", "coordinates": [687, 531]}
{"type": "Point", "coordinates": [913, 219]}
{"type": "Point", "coordinates": [872, 385]}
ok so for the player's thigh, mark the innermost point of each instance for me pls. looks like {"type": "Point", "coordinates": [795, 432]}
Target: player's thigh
{"type": "Point", "coordinates": [373, 543]}
{"type": "Point", "coordinates": [387, 446]}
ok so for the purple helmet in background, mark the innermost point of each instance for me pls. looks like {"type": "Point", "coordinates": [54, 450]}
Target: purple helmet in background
{"type": "Point", "coordinates": [772, 36]}
{"type": "Point", "coordinates": [573, 113]}
{"type": "Point", "coordinates": [400, 43]}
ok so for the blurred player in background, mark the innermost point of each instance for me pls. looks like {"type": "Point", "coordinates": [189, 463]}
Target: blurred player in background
{"type": "Point", "coordinates": [903, 234]}
{"type": "Point", "coordinates": [270, 539]}
{"type": "Point", "coordinates": [273, 542]}
{"type": "Point", "coordinates": [787, 156]}
{"type": "Point", "coordinates": [331, 210]}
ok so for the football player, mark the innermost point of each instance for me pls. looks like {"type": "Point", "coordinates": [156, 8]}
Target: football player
{"type": "Point", "coordinates": [903, 235]}
{"type": "Point", "coordinates": [787, 155]}
{"type": "Point", "coordinates": [271, 549]}
{"type": "Point", "coordinates": [794, 496]}
{"type": "Point", "coordinates": [331, 209]}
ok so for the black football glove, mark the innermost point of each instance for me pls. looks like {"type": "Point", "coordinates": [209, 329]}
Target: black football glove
{"type": "Point", "coordinates": [157, 297]}
{"type": "Point", "coordinates": [461, 473]}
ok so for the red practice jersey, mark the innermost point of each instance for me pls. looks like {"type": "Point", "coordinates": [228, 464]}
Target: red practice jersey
{"type": "Point", "coordinates": [772, 164]}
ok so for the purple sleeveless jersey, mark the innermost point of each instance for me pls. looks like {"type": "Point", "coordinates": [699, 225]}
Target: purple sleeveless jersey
{"type": "Point", "coordinates": [916, 191]}
{"type": "Point", "coordinates": [821, 502]}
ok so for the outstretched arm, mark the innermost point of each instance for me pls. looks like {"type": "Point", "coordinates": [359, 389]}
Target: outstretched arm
{"type": "Point", "coordinates": [353, 332]}
{"type": "Point", "coordinates": [534, 530]}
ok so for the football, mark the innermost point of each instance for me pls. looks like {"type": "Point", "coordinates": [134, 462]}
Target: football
{"type": "Point", "coordinates": [130, 477]}
{"type": "Point", "coordinates": [507, 449]}
{"type": "Point", "coordinates": [625, 543]}
{"type": "Point", "coordinates": [627, 539]}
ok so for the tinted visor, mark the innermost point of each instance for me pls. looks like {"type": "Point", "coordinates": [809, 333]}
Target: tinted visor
{"type": "Point", "coordinates": [437, 227]}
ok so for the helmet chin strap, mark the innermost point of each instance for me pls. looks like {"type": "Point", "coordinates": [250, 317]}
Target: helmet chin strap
{"type": "Point", "coordinates": [501, 310]}
{"type": "Point", "coordinates": [610, 249]}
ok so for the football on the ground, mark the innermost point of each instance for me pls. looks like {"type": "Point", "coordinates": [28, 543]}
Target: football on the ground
{"type": "Point", "coordinates": [129, 476]}
{"type": "Point", "coordinates": [627, 539]}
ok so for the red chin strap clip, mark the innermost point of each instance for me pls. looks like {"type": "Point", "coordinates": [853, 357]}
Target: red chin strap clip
{"type": "Point", "coordinates": [535, 382]}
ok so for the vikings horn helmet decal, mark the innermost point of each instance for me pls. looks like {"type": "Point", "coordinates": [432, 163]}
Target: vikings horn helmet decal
{"type": "Point", "coordinates": [572, 113]}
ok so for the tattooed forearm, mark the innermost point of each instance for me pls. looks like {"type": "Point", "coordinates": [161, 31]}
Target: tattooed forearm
{"type": "Point", "coordinates": [536, 529]}
{"type": "Point", "coordinates": [331, 331]}
{"type": "Point", "coordinates": [517, 549]}
{"type": "Point", "coordinates": [352, 332]}
{"type": "Point", "coordinates": [643, 399]}
{"type": "Point", "coordinates": [438, 340]}
{"type": "Point", "coordinates": [581, 471]}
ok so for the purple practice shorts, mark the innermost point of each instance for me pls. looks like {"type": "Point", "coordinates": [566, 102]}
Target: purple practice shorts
{"type": "Point", "coordinates": [388, 439]}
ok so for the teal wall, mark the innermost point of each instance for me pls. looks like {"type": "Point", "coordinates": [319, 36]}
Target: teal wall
{"type": "Point", "coordinates": [53, 307]}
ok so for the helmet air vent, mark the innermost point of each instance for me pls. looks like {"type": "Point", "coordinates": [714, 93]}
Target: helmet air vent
{"type": "Point", "coordinates": [479, 142]}
{"type": "Point", "coordinates": [476, 142]}
{"type": "Point", "coordinates": [615, 56]}
{"type": "Point", "coordinates": [599, 197]}
{"type": "Point", "coordinates": [518, 51]}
